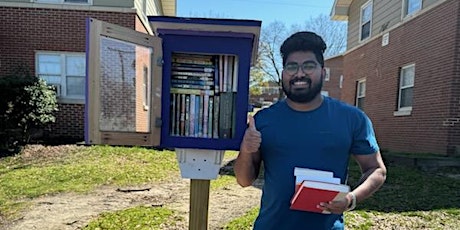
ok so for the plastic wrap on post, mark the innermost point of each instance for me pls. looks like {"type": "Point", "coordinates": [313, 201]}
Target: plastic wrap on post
{"type": "Point", "coordinates": [199, 163]}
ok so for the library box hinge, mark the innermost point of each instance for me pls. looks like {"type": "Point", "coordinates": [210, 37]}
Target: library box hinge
{"type": "Point", "coordinates": [160, 61]}
{"type": "Point", "coordinates": [158, 122]}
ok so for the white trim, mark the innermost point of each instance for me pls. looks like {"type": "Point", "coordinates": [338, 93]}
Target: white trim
{"type": "Point", "coordinates": [361, 81]}
{"type": "Point", "coordinates": [402, 113]}
{"type": "Point", "coordinates": [365, 5]}
{"type": "Point", "coordinates": [62, 86]}
{"type": "Point", "coordinates": [327, 76]}
{"type": "Point", "coordinates": [400, 87]}
{"type": "Point", "coordinates": [404, 9]}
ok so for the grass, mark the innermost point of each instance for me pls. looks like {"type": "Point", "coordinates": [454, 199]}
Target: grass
{"type": "Point", "coordinates": [80, 171]}
{"type": "Point", "coordinates": [410, 199]}
{"type": "Point", "coordinates": [136, 218]}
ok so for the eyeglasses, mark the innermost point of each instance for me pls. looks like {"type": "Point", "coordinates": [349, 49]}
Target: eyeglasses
{"type": "Point", "coordinates": [307, 67]}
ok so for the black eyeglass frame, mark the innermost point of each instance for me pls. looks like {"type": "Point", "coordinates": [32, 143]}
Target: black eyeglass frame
{"type": "Point", "coordinates": [307, 67]}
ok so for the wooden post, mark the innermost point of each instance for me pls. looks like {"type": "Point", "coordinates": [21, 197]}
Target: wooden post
{"type": "Point", "coordinates": [199, 203]}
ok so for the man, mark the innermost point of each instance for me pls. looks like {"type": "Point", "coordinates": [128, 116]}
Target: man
{"type": "Point", "coordinates": [310, 131]}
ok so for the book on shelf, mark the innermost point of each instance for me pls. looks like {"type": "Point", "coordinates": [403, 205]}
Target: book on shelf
{"type": "Point", "coordinates": [191, 91]}
{"type": "Point", "coordinates": [226, 114]}
{"type": "Point", "coordinates": [315, 186]}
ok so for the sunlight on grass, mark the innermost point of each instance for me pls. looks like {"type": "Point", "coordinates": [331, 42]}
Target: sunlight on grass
{"type": "Point", "coordinates": [135, 218]}
{"type": "Point", "coordinates": [409, 199]}
{"type": "Point", "coordinates": [82, 171]}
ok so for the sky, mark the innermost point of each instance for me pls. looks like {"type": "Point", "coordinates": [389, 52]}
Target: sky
{"type": "Point", "coordinates": [288, 11]}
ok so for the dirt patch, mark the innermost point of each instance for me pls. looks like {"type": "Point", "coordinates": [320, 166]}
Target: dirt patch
{"type": "Point", "coordinates": [70, 211]}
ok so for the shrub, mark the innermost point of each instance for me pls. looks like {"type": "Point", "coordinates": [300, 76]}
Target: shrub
{"type": "Point", "coordinates": [28, 104]}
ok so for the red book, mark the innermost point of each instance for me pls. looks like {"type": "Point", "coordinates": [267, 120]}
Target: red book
{"type": "Point", "coordinates": [311, 193]}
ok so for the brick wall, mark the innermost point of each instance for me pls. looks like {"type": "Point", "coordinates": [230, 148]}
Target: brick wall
{"type": "Point", "coordinates": [335, 65]}
{"type": "Point", "coordinates": [26, 30]}
{"type": "Point", "coordinates": [429, 41]}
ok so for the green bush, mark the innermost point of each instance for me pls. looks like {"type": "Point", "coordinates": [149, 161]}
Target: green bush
{"type": "Point", "coordinates": [28, 104]}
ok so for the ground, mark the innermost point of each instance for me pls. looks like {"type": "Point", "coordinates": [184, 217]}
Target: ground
{"type": "Point", "coordinates": [69, 211]}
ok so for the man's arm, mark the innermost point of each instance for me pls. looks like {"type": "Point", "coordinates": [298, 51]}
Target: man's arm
{"type": "Point", "coordinates": [247, 166]}
{"type": "Point", "coordinates": [247, 163]}
{"type": "Point", "coordinates": [373, 175]}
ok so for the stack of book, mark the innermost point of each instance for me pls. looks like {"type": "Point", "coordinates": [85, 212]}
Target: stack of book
{"type": "Point", "coordinates": [315, 186]}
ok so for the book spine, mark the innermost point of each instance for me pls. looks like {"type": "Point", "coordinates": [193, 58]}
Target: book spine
{"type": "Point", "coordinates": [215, 130]}
{"type": "Point", "coordinates": [235, 75]}
{"type": "Point", "coordinates": [200, 121]}
{"type": "Point", "coordinates": [225, 115]}
{"type": "Point", "coordinates": [205, 115]}
{"type": "Point", "coordinates": [192, 115]}
{"type": "Point", "coordinates": [173, 115]}
{"type": "Point", "coordinates": [187, 115]}
{"type": "Point", "coordinates": [211, 116]}
{"type": "Point", "coordinates": [182, 115]}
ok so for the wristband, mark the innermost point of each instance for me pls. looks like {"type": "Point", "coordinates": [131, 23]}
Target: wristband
{"type": "Point", "coordinates": [353, 202]}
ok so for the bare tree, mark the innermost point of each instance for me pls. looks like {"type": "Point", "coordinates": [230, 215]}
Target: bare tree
{"type": "Point", "coordinates": [334, 33]}
{"type": "Point", "coordinates": [270, 40]}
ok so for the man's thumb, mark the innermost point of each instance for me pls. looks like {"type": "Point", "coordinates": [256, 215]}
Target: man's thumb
{"type": "Point", "coordinates": [251, 122]}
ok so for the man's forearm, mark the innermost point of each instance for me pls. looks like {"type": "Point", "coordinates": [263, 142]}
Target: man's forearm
{"type": "Point", "coordinates": [371, 180]}
{"type": "Point", "coordinates": [247, 167]}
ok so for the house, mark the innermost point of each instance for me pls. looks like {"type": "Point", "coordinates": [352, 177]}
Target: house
{"type": "Point", "coordinates": [402, 67]}
{"type": "Point", "coordinates": [49, 38]}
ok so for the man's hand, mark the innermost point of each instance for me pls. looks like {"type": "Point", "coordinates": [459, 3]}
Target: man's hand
{"type": "Point", "coordinates": [252, 138]}
{"type": "Point", "coordinates": [338, 206]}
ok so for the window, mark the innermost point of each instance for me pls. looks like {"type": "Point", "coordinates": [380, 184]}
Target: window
{"type": "Point", "coordinates": [406, 87]}
{"type": "Point", "coordinates": [366, 21]}
{"type": "Point", "coordinates": [146, 88]}
{"type": "Point", "coordinates": [65, 71]}
{"type": "Point", "coordinates": [328, 74]}
{"type": "Point", "coordinates": [411, 6]}
{"type": "Point", "coordinates": [360, 93]}
{"type": "Point", "coordinates": [65, 1]}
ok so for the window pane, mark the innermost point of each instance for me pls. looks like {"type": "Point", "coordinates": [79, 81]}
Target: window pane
{"type": "Point", "coordinates": [366, 14]}
{"type": "Point", "coordinates": [49, 64]}
{"type": "Point", "coordinates": [360, 103]}
{"type": "Point", "coordinates": [366, 31]}
{"type": "Point", "coordinates": [413, 6]}
{"type": "Point", "coordinates": [75, 66]}
{"type": "Point", "coordinates": [406, 97]}
{"type": "Point", "coordinates": [407, 78]}
{"type": "Point", "coordinates": [121, 83]}
{"type": "Point", "coordinates": [76, 1]}
{"type": "Point", "coordinates": [51, 79]}
{"type": "Point", "coordinates": [361, 89]}
{"type": "Point", "coordinates": [75, 86]}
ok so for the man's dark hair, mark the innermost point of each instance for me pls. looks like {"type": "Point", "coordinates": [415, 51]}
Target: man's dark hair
{"type": "Point", "coordinates": [304, 41]}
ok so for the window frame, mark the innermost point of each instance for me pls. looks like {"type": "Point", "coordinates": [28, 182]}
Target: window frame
{"type": "Point", "coordinates": [360, 83]}
{"type": "Point", "coordinates": [61, 87]}
{"type": "Point", "coordinates": [88, 2]}
{"type": "Point", "coordinates": [358, 96]}
{"type": "Point", "coordinates": [327, 76]}
{"type": "Point", "coordinates": [401, 87]}
{"type": "Point", "coordinates": [361, 24]}
{"type": "Point", "coordinates": [405, 8]}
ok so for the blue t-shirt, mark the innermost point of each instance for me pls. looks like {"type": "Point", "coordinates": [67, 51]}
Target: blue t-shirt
{"type": "Point", "coordinates": [320, 139]}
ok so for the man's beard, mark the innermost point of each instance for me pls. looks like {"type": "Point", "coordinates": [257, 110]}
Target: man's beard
{"type": "Point", "coordinates": [302, 95]}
